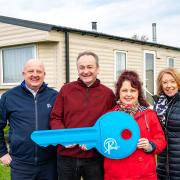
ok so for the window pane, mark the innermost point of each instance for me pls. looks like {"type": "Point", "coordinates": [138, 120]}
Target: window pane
{"type": "Point", "coordinates": [13, 60]}
{"type": "Point", "coordinates": [120, 63]}
{"type": "Point", "coordinates": [149, 62]}
{"type": "Point", "coordinates": [171, 62]}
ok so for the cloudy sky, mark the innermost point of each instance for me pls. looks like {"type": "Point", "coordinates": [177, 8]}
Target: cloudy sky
{"type": "Point", "coordinates": [116, 17]}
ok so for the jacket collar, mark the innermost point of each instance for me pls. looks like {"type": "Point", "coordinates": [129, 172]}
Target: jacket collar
{"type": "Point", "coordinates": [178, 94]}
{"type": "Point", "coordinates": [42, 88]}
{"type": "Point", "coordinates": [95, 84]}
{"type": "Point", "coordinates": [156, 97]}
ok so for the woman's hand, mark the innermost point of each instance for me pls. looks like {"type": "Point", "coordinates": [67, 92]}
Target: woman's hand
{"type": "Point", "coordinates": [143, 143]}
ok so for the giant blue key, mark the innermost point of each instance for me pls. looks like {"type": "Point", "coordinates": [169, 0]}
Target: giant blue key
{"type": "Point", "coordinates": [115, 135]}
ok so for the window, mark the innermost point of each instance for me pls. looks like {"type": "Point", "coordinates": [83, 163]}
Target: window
{"type": "Point", "coordinates": [149, 58]}
{"type": "Point", "coordinates": [120, 62]}
{"type": "Point", "coordinates": [170, 62]}
{"type": "Point", "coordinates": [13, 60]}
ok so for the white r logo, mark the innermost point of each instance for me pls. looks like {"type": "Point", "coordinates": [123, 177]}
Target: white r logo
{"type": "Point", "coordinates": [110, 144]}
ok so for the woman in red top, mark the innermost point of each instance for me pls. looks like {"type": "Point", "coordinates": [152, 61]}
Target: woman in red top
{"type": "Point", "coordinates": [140, 165]}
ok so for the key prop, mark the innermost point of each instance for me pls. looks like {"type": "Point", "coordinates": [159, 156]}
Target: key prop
{"type": "Point", "coordinates": [115, 135]}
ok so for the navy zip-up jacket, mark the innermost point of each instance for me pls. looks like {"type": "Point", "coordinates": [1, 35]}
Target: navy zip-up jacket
{"type": "Point", "coordinates": [25, 114]}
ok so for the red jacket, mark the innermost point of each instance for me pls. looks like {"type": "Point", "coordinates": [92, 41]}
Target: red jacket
{"type": "Point", "coordinates": [139, 165]}
{"type": "Point", "coordinates": [80, 106]}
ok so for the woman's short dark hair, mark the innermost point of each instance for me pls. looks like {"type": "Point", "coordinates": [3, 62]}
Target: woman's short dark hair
{"type": "Point", "coordinates": [134, 79]}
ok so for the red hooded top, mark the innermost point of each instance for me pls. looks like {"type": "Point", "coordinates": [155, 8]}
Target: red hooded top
{"type": "Point", "coordinates": [80, 106]}
{"type": "Point", "coordinates": [140, 165]}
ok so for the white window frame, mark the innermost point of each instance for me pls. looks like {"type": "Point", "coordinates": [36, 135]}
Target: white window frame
{"type": "Point", "coordinates": [168, 58]}
{"type": "Point", "coordinates": [1, 62]}
{"type": "Point", "coordinates": [144, 77]}
{"type": "Point", "coordinates": [115, 60]}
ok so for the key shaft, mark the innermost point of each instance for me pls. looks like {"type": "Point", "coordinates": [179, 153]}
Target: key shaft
{"type": "Point", "coordinates": [88, 136]}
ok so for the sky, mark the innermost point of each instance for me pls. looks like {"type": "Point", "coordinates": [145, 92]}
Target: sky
{"type": "Point", "coordinates": [123, 18]}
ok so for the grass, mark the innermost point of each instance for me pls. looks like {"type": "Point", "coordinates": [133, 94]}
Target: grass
{"type": "Point", "coordinates": [5, 170]}
{"type": "Point", "coordinates": [6, 131]}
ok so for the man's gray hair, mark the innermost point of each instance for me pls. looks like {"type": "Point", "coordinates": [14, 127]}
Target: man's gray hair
{"type": "Point", "coordinates": [89, 53]}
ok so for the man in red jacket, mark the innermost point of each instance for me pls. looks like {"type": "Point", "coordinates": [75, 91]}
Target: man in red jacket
{"type": "Point", "coordinates": [80, 104]}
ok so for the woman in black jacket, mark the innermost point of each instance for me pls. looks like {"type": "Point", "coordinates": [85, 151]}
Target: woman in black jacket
{"type": "Point", "coordinates": [168, 111]}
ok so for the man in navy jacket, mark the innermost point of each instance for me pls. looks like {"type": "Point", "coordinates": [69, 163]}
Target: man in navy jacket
{"type": "Point", "coordinates": [27, 108]}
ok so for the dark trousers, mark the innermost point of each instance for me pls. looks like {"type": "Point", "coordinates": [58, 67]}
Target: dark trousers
{"type": "Point", "coordinates": [22, 171]}
{"type": "Point", "coordinates": [70, 168]}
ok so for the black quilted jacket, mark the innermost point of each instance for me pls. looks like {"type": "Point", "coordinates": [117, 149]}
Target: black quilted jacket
{"type": "Point", "coordinates": [169, 160]}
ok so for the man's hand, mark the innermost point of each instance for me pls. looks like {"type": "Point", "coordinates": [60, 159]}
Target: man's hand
{"type": "Point", "coordinates": [6, 159]}
{"type": "Point", "coordinates": [70, 146]}
{"type": "Point", "coordinates": [83, 147]}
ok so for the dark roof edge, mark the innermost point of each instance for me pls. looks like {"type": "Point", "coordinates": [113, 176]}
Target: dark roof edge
{"type": "Point", "coordinates": [26, 23]}
{"type": "Point", "coordinates": [130, 40]}
{"type": "Point", "coordinates": [49, 27]}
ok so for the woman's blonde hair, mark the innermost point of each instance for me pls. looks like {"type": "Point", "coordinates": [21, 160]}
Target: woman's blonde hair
{"type": "Point", "coordinates": [173, 72]}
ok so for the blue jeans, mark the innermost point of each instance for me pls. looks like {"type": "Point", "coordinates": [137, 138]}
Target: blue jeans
{"type": "Point", "coordinates": [70, 168]}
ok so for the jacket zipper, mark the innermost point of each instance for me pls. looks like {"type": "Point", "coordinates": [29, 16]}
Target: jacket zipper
{"type": "Point", "coordinates": [86, 99]}
{"type": "Point", "coordinates": [36, 124]}
{"type": "Point", "coordinates": [167, 156]}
